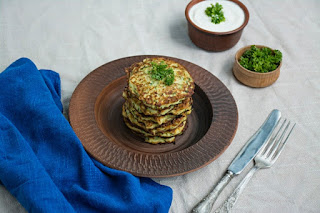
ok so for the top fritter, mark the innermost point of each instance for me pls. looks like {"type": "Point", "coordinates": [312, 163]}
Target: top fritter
{"type": "Point", "coordinates": [159, 82]}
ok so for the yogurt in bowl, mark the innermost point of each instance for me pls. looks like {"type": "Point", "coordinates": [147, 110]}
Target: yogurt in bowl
{"type": "Point", "coordinates": [233, 13]}
{"type": "Point", "coordinates": [216, 37]}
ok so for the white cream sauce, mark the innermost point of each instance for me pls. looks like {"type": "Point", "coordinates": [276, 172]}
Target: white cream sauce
{"type": "Point", "coordinates": [232, 12]}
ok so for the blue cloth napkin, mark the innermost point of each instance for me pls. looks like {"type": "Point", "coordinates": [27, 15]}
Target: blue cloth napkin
{"type": "Point", "coordinates": [42, 162]}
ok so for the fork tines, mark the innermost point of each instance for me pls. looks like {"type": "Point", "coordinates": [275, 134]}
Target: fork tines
{"type": "Point", "coordinates": [278, 139]}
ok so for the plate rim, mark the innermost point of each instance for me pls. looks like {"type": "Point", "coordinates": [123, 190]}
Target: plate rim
{"type": "Point", "coordinates": [73, 109]}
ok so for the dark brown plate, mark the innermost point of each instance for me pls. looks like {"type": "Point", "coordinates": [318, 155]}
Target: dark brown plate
{"type": "Point", "coordinates": [95, 116]}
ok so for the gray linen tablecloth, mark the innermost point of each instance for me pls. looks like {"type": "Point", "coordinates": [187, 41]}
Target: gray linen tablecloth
{"type": "Point", "coordinates": [75, 37]}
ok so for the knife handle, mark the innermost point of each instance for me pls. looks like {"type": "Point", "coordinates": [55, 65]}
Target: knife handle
{"type": "Point", "coordinates": [206, 204]}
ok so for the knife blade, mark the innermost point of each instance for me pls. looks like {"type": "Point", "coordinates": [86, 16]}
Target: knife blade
{"type": "Point", "coordinates": [254, 144]}
{"type": "Point", "coordinates": [243, 158]}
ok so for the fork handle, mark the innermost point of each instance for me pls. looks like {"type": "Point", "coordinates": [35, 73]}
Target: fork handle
{"type": "Point", "coordinates": [230, 202]}
{"type": "Point", "coordinates": [205, 205]}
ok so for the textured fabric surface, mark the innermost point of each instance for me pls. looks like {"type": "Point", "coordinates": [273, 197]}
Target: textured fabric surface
{"type": "Point", "coordinates": [42, 162]}
{"type": "Point", "coordinates": [75, 37]}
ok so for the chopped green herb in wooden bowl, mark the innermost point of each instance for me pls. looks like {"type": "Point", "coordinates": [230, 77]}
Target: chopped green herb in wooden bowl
{"type": "Point", "coordinates": [257, 66]}
{"type": "Point", "coordinates": [260, 59]}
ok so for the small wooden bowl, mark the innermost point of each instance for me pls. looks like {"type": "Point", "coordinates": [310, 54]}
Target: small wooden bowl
{"type": "Point", "coordinates": [251, 78]}
{"type": "Point", "coordinates": [215, 41]}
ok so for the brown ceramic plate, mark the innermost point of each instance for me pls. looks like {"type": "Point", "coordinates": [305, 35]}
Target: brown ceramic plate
{"type": "Point", "coordinates": [95, 116]}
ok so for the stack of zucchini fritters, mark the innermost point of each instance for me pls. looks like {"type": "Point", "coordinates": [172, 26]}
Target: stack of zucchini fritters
{"type": "Point", "coordinates": [155, 108]}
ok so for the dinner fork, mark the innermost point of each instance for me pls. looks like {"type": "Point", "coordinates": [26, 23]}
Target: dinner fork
{"type": "Point", "coordinates": [264, 159]}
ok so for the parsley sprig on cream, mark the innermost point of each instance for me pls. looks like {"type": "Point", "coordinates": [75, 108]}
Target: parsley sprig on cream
{"type": "Point", "coordinates": [216, 13]}
{"type": "Point", "coordinates": [161, 72]}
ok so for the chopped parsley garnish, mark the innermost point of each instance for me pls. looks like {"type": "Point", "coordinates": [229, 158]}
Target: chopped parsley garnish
{"type": "Point", "coordinates": [216, 13]}
{"type": "Point", "coordinates": [260, 59]}
{"type": "Point", "coordinates": [161, 72]}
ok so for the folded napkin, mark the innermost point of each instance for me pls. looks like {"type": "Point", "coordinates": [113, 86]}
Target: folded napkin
{"type": "Point", "coordinates": [42, 162]}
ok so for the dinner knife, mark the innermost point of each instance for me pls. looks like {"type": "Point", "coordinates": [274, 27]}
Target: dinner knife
{"type": "Point", "coordinates": [246, 154]}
